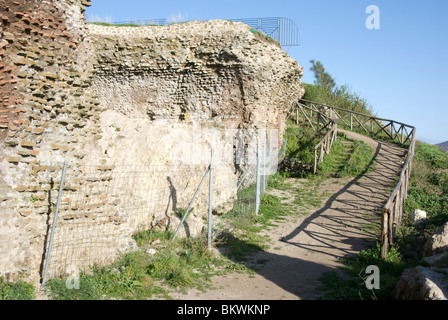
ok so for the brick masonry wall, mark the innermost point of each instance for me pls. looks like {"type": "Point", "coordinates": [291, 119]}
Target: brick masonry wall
{"type": "Point", "coordinates": [46, 105]}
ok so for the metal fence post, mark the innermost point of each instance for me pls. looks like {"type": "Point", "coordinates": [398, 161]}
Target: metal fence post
{"type": "Point", "coordinates": [191, 204]}
{"type": "Point", "coordinates": [210, 204]}
{"type": "Point", "coordinates": [258, 193]}
{"type": "Point", "coordinates": [47, 261]}
{"type": "Point", "coordinates": [245, 175]}
{"type": "Point", "coordinates": [270, 156]}
{"type": "Point", "coordinates": [264, 162]}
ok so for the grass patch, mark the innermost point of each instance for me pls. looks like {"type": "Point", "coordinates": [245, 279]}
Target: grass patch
{"type": "Point", "coordinates": [359, 161]}
{"type": "Point", "coordinates": [264, 36]}
{"type": "Point", "coordinates": [354, 288]}
{"type": "Point", "coordinates": [348, 158]}
{"type": "Point", "coordinates": [140, 275]}
{"type": "Point", "coordinates": [310, 194]}
{"type": "Point", "coordinates": [428, 188]}
{"type": "Point", "coordinates": [278, 181]}
{"type": "Point", "coordinates": [300, 143]}
{"type": "Point", "coordinates": [106, 24]}
{"type": "Point", "coordinates": [271, 210]}
{"type": "Point", "coordinates": [19, 290]}
{"type": "Point", "coordinates": [245, 240]}
{"type": "Point", "coordinates": [432, 155]}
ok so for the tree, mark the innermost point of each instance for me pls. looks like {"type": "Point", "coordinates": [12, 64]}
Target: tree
{"type": "Point", "coordinates": [323, 78]}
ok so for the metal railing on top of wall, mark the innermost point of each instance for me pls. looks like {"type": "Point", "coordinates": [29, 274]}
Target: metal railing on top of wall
{"type": "Point", "coordinates": [281, 29]}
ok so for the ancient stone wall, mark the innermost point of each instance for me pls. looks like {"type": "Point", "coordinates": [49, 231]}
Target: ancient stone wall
{"type": "Point", "coordinates": [212, 70]}
{"type": "Point", "coordinates": [135, 113]}
{"type": "Point", "coordinates": [47, 105]}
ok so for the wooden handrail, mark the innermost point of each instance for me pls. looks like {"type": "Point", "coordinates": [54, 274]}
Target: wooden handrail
{"type": "Point", "coordinates": [357, 113]}
{"type": "Point", "coordinates": [325, 145]}
{"type": "Point", "coordinates": [392, 212]}
{"type": "Point", "coordinates": [397, 131]}
{"type": "Point", "coordinates": [393, 209]}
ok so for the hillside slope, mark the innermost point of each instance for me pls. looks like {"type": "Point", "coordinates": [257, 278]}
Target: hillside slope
{"type": "Point", "coordinates": [443, 146]}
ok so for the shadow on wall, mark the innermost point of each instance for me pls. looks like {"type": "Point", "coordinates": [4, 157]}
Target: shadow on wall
{"type": "Point", "coordinates": [47, 231]}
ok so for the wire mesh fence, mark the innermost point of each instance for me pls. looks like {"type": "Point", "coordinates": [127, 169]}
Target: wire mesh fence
{"type": "Point", "coordinates": [253, 180]}
{"type": "Point", "coordinates": [101, 207]}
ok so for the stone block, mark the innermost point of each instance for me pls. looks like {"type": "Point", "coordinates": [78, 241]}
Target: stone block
{"type": "Point", "coordinates": [28, 144]}
{"type": "Point", "coordinates": [38, 131]}
{"type": "Point", "coordinates": [24, 152]}
{"type": "Point", "coordinates": [13, 159]}
{"type": "Point", "coordinates": [60, 147]}
{"type": "Point", "coordinates": [21, 188]}
{"type": "Point", "coordinates": [418, 216]}
{"type": "Point", "coordinates": [422, 283]}
{"type": "Point", "coordinates": [22, 61]}
{"type": "Point", "coordinates": [8, 36]}
{"type": "Point", "coordinates": [34, 153]}
{"type": "Point", "coordinates": [438, 242]}
{"type": "Point", "coordinates": [51, 76]}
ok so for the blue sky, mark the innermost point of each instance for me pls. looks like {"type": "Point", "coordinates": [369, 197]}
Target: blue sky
{"type": "Point", "coordinates": [400, 69]}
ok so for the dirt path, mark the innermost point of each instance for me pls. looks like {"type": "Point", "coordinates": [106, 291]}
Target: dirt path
{"type": "Point", "coordinates": [302, 249]}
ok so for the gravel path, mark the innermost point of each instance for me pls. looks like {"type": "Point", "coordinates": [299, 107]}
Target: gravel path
{"type": "Point", "coordinates": [302, 249]}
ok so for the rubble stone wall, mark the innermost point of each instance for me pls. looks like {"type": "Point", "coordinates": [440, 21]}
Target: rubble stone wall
{"type": "Point", "coordinates": [135, 112]}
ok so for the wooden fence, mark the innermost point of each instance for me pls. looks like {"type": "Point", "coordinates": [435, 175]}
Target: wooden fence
{"type": "Point", "coordinates": [383, 129]}
{"type": "Point", "coordinates": [322, 122]}
{"type": "Point", "coordinates": [321, 117]}
{"type": "Point", "coordinates": [324, 146]}
{"type": "Point", "coordinates": [393, 210]}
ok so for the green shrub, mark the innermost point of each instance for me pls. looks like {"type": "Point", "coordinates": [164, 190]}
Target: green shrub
{"type": "Point", "coordinates": [300, 143]}
{"type": "Point", "coordinates": [341, 97]}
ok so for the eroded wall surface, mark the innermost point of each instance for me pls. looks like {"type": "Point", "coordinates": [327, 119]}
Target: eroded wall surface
{"type": "Point", "coordinates": [135, 113]}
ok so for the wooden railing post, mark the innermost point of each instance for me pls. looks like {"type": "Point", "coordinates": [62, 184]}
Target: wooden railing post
{"type": "Point", "coordinates": [325, 145]}
{"type": "Point", "coordinates": [384, 233]}
{"type": "Point", "coordinates": [297, 116]}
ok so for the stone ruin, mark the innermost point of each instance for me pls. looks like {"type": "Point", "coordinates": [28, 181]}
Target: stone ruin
{"type": "Point", "coordinates": [134, 111]}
